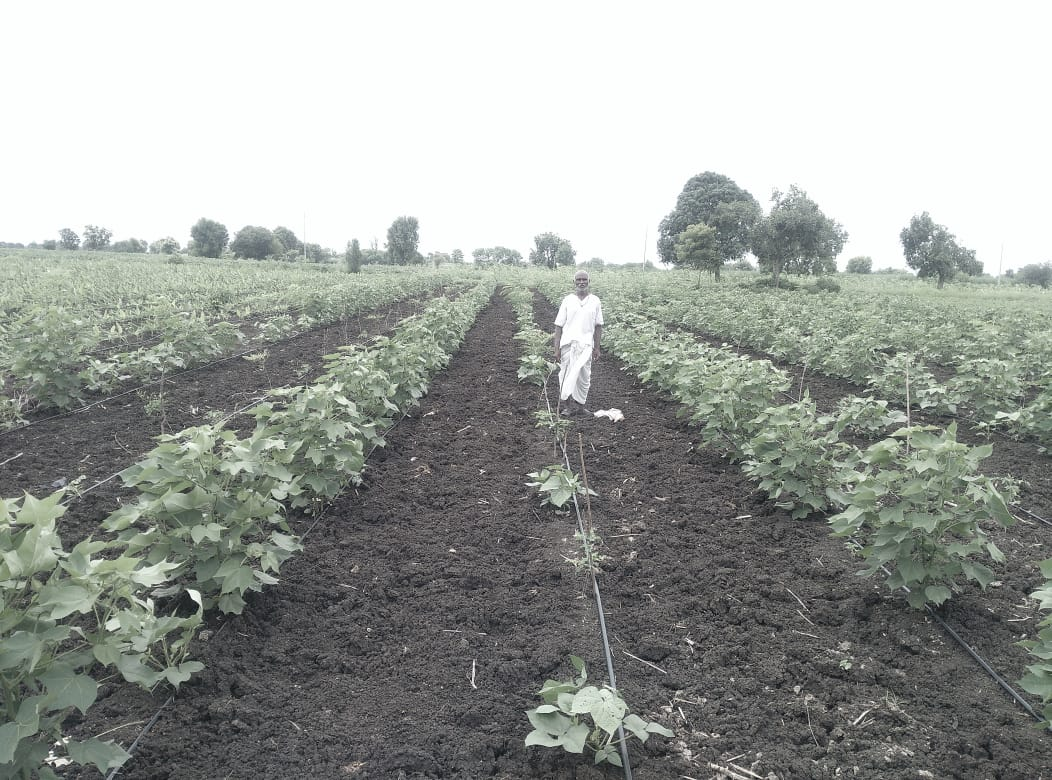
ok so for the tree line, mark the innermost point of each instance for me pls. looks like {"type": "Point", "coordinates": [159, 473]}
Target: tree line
{"type": "Point", "coordinates": [715, 222]}
{"type": "Point", "coordinates": [209, 238]}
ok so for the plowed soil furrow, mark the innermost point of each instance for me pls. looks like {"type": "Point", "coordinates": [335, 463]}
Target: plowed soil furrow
{"type": "Point", "coordinates": [431, 604]}
{"type": "Point", "coordinates": [109, 437]}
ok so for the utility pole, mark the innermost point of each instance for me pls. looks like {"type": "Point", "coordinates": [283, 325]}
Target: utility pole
{"type": "Point", "coordinates": [646, 240]}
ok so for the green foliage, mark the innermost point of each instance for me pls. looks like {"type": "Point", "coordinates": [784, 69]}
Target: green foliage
{"type": "Point", "coordinates": [862, 264]}
{"type": "Point", "coordinates": [211, 503]}
{"type": "Point", "coordinates": [289, 242]}
{"type": "Point", "coordinates": [47, 355]}
{"type": "Point", "coordinates": [325, 437]}
{"type": "Point", "coordinates": [916, 505]}
{"type": "Point", "coordinates": [1039, 275]}
{"type": "Point", "coordinates": [61, 613]}
{"type": "Point", "coordinates": [696, 248]}
{"type": "Point", "coordinates": [932, 250]}
{"type": "Point", "coordinates": [255, 243]}
{"type": "Point", "coordinates": [134, 246]}
{"type": "Point", "coordinates": [208, 238]}
{"type": "Point", "coordinates": [865, 415]}
{"type": "Point", "coordinates": [353, 257]}
{"type": "Point", "coordinates": [557, 485]}
{"type": "Point", "coordinates": [403, 238]}
{"type": "Point", "coordinates": [576, 716]}
{"type": "Point", "coordinates": [716, 201]}
{"type": "Point", "coordinates": [903, 371]}
{"type": "Point", "coordinates": [1038, 677]}
{"type": "Point", "coordinates": [796, 236]}
{"type": "Point", "coordinates": [551, 251]}
{"type": "Point", "coordinates": [534, 365]}
{"type": "Point", "coordinates": [797, 456]}
{"type": "Point", "coordinates": [496, 255]}
{"type": "Point", "coordinates": [165, 246]}
{"type": "Point", "coordinates": [67, 239]}
{"type": "Point", "coordinates": [96, 237]}
{"type": "Point", "coordinates": [825, 284]}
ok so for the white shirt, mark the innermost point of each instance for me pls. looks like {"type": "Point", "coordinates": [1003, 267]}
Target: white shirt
{"type": "Point", "coordinates": [578, 318]}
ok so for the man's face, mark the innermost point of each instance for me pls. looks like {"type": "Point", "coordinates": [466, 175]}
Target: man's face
{"type": "Point", "coordinates": [580, 283]}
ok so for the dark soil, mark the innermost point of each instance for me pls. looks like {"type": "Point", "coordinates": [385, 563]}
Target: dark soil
{"type": "Point", "coordinates": [429, 606]}
{"type": "Point", "coordinates": [107, 435]}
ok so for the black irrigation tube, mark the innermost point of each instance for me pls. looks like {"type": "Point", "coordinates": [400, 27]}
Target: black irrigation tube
{"type": "Point", "coordinates": [1027, 512]}
{"type": "Point", "coordinates": [989, 669]}
{"type": "Point", "coordinates": [626, 763]}
{"type": "Point", "coordinates": [1004, 684]}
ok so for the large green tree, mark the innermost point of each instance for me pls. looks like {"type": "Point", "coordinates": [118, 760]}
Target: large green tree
{"type": "Point", "coordinates": [288, 239]}
{"type": "Point", "coordinates": [255, 243]}
{"type": "Point", "coordinates": [933, 252]}
{"type": "Point", "coordinates": [696, 247]}
{"type": "Point", "coordinates": [551, 251]}
{"type": "Point", "coordinates": [208, 238]}
{"type": "Point", "coordinates": [1036, 274]}
{"type": "Point", "coordinates": [457, 256]}
{"type": "Point", "coordinates": [96, 237]}
{"type": "Point", "coordinates": [796, 236]}
{"type": "Point", "coordinates": [717, 201]}
{"type": "Point", "coordinates": [403, 238]}
{"type": "Point", "coordinates": [67, 239]}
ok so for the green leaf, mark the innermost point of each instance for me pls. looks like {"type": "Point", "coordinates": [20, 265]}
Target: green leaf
{"type": "Point", "coordinates": [66, 688]}
{"type": "Point", "coordinates": [573, 741]}
{"type": "Point", "coordinates": [1046, 568]}
{"type": "Point", "coordinates": [542, 738]}
{"type": "Point", "coordinates": [104, 755]}
{"type": "Point", "coordinates": [937, 594]}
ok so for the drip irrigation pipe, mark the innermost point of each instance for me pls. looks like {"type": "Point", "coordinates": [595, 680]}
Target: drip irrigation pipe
{"type": "Point", "coordinates": [622, 742]}
{"type": "Point", "coordinates": [626, 764]}
{"type": "Point", "coordinates": [989, 670]}
{"type": "Point", "coordinates": [145, 729]}
{"type": "Point", "coordinates": [1028, 513]}
{"type": "Point", "coordinates": [978, 659]}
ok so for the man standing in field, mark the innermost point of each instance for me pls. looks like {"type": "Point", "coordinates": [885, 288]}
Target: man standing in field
{"type": "Point", "coordinates": [578, 328]}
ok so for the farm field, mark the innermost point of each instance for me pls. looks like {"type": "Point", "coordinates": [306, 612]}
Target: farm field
{"type": "Point", "coordinates": [431, 602]}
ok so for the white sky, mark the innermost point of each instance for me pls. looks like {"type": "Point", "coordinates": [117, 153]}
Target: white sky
{"type": "Point", "coordinates": [494, 121]}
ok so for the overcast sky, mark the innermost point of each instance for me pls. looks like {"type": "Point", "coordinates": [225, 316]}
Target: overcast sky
{"type": "Point", "coordinates": [491, 122]}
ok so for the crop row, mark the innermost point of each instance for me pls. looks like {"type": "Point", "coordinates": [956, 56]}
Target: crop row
{"type": "Point", "coordinates": [990, 363]}
{"type": "Point", "coordinates": [49, 358]}
{"type": "Point", "coordinates": [913, 504]}
{"type": "Point", "coordinates": [208, 526]}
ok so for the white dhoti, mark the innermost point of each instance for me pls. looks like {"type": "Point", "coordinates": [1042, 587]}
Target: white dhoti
{"type": "Point", "coordinates": [575, 371]}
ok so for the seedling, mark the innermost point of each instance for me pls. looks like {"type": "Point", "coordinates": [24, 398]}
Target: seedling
{"type": "Point", "coordinates": [557, 485]}
{"type": "Point", "coordinates": [576, 716]}
{"type": "Point", "coordinates": [590, 558]}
